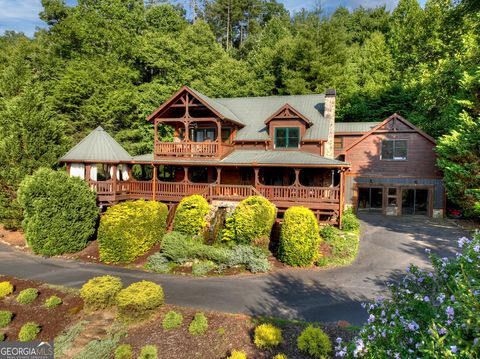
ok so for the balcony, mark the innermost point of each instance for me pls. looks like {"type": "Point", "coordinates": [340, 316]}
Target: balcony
{"type": "Point", "coordinates": [187, 149]}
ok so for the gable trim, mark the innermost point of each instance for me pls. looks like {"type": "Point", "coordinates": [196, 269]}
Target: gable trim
{"type": "Point", "coordinates": [290, 109]}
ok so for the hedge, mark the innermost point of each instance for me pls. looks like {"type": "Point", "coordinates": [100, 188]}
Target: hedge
{"type": "Point", "coordinates": [129, 229]}
{"type": "Point", "coordinates": [299, 237]}
{"type": "Point", "coordinates": [190, 215]}
{"type": "Point", "coordinates": [60, 212]}
{"type": "Point", "coordinates": [139, 300]}
{"type": "Point", "coordinates": [251, 221]}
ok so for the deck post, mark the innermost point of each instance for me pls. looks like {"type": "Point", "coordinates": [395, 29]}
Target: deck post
{"type": "Point", "coordinates": [342, 185]}
{"type": "Point", "coordinates": [114, 181]}
{"type": "Point", "coordinates": [219, 139]}
{"type": "Point", "coordinates": [219, 174]}
{"type": "Point", "coordinates": [185, 178]}
{"type": "Point", "coordinates": [257, 180]}
{"type": "Point", "coordinates": [154, 182]}
{"type": "Point", "coordinates": [88, 169]}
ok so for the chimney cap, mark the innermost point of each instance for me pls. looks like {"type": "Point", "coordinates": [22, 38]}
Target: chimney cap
{"type": "Point", "coordinates": [330, 92]}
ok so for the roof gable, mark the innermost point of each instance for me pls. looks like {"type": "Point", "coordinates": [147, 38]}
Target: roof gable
{"type": "Point", "coordinates": [287, 112]}
{"type": "Point", "coordinates": [390, 124]}
{"type": "Point", "coordinates": [97, 146]}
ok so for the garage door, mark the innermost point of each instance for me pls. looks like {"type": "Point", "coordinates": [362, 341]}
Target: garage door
{"type": "Point", "coordinates": [415, 201]}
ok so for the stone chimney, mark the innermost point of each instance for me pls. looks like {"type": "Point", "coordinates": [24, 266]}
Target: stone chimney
{"type": "Point", "coordinates": [329, 114]}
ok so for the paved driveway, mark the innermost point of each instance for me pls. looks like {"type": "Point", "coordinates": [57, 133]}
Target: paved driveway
{"type": "Point", "coordinates": [387, 246]}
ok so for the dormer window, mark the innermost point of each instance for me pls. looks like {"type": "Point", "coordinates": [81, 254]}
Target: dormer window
{"type": "Point", "coordinates": [287, 137]}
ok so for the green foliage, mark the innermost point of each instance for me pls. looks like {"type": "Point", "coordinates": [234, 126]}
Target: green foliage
{"type": "Point", "coordinates": [343, 246]}
{"type": "Point", "coordinates": [103, 348]}
{"type": "Point", "coordinates": [280, 356]}
{"type": "Point", "coordinates": [6, 288]}
{"type": "Point", "coordinates": [27, 296]}
{"type": "Point", "coordinates": [159, 263]}
{"type": "Point", "coordinates": [64, 341]}
{"type": "Point", "coordinates": [124, 351]}
{"type": "Point", "coordinates": [190, 215]}
{"type": "Point", "coordinates": [267, 336]}
{"type": "Point", "coordinates": [139, 300]}
{"type": "Point", "coordinates": [254, 258]}
{"type": "Point", "coordinates": [350, 221]}
{"type": "Point", "coordinates": [5, 318]}
{"type": "Point", "coordinates": [129, 229]}
{"type": "Point", "coordinates": [148, 352]}
{"type": "Point", "coordinates": [203, 267]}
{"type": "Point", "coordinates": [315, 343]}
{"type": "Point", "coordinates": [199, 325]}
{"type": "Point", "coordinates": [235, 354]}
{"type": "Point", "coordinates": [172, 320]}
{"type": "Point", "coordinates": [251, 221]}
{"type": "Point", "coordinates": [101, 292]}
{"type": "Point", "coordinates": [299, 238]}
{"type": "Point", "coordinates": [52, 302]}
{"type": "Point", "coordinates": [60, 212]}
{"type": "Point", "coordinates": [2, 337]}
{"type": "Point", "coordinates": [28, 332]}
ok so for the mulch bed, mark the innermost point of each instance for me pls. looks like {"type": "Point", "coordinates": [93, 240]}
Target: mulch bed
{"type": "Point", "coordinates": [226, 332]}
{"type": "Point", "coordinates": [52, 321]}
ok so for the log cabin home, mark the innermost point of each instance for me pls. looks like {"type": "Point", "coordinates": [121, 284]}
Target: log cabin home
{"type": "Point", "coordinates": [286, 148]}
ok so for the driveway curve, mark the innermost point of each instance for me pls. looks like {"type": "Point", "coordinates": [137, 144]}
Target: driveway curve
{"type": "Point", "coordinates": [388, 245]}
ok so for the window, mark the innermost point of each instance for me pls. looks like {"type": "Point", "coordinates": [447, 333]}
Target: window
{"type": "Point", "coordinates": [226, 132]}
{"type": "Point", "coordinates": [287, 137]}
{"type": "Point", "coordinates": [202, 134]}
{"type": "Point", "coordinates": [394, 150]}
{"type": "Point", "coordinates": [338, 143]}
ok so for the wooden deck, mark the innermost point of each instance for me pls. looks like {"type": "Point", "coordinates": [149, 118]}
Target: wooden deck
{"type": "Point", "coordinates": [324, 201]}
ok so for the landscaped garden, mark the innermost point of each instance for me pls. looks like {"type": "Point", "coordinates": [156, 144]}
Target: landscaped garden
{"type": "Point", "coordinates": [61, 218]}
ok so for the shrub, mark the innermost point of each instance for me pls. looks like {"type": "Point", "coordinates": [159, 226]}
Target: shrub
{"type": "Point", "coordinates": [101, 292]}
{"type": "Point", "coordinates": [203, 267]}
{"type": "Point", "coordinates": [64, 341]}
{"type": "Point", "coordinates": [299, 237]}
{"type": "Point", "coordinates": [237, 355]}
{"type": "Point", "coordinates": [2, 337]}
{"type": "Point", "coordinates": [6, 288]}
{"type": "Point", "coordinates": [129, 229]}
{"type": "Point", "coordinates": [52, 302]}
{"type": "Point", "coordinates": [350, 221]}
{"type": "Point", "coordinates": [60, 212]}
{"type": "Point", "coordinates": [251, 221]}
{"type": "Point", "coordinates": [267, 336]}
{"type": "Point", "coordinates": [199, 325]}
{"type": "Point", "coordinates": [5, 318]}
{"type": "Point", "coordinates": [343, 246]}
{"type": "Point", "coordinates": [172, 320]}
{"type": "Point", "coordinates": [254, 258]}
{"type": "Point", "coordinates": [159, 263]}
{"type": "Point", "coordinates": [280, 356]}
{"type": "Point", "coordinates": [190, 215]}
{"type": "Point", "coordinates": [148, 352]}
{"type": "Point", "coordinates": [27, 296]}
{"type": "Point", "coordinates": [315, 343]}
{"type": "Point", "coordinates": [124, 351]}
{"type": "Point", "coordinates": [139, 300]}
{"type": "Point", "coordinates": [28, 332]}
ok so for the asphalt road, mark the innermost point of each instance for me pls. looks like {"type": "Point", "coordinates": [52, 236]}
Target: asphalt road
{"type": "Point", "coordinates": [388, 245]}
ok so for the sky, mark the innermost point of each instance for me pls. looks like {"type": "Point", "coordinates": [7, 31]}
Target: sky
{"type": "Point", "coordinates": [22, 15]}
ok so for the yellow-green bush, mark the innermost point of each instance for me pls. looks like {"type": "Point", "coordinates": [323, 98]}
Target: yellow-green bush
{"type": "Point", "coordinates": [52, 302]}
{"type": "Point", "coordinates": [6, 288]}
{"type": "Point", "coordinates": [124, 351]}
{"type": "Point", "coordinates": [280, 356]}
{"type": "Point", "coordinates": [101, 292]}
{"type": "Point", "coordinates": [199, 325]}
{"type": "Point", "coordinates": [28, 332]}
{"type": "Point", "coordinates": [129, 229]}
{"type": "Point", "coordinates": [267, 336]}
{"type": "Point", "coordinates": [299, 237]}
{"type": "Point", "coordinates": [27, 296]}
{"type": "Point", "coordinates": [148, 352]}
{"type": "Point", "coordinates": [251, 221]}
{"type": "Point", "coordinates": [315, 343]}
{"type": "Point", "coordinates": [350, 221]}
{"type": "Point", "coordinates": [5, 318]}
{"type": "Point", "coordinates": [139, 300]}
{"type": "Point", "coordinates": [190, 215]}
{"type": "Point", "coordinates": [235, 354]}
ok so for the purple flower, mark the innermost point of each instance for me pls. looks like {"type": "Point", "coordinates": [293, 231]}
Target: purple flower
{"type": "Point", "coordinates": [441, 297]}
{"type": "Point", "coordinates": [453, 349]}
{"type": "Point", "coordinates": [339, 340]}
{"type": "Point", "coordinates": [427, 250]}
{"type": "Point", "coordinates": [450, 312]}
{"type": "Point", "coordinates": [426, 299]}
{"type": "Point", "coordinates": [412, 326]}
{"type": "Point", "coordinates": [462, 241]}
{"type": "Point", "coordinates": [452, 298]}
{"type": "Point", "coordinates": [442, 331]}
{"type": "Point", "coordinates": [476, 248]}
{"type": "Point", "coordinates": [371, 319]}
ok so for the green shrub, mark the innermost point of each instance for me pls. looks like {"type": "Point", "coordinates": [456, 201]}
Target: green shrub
{"type": "Point", "coordinates": [203, 267]}
{"type": "Point", "coordinates": [52, 302]}
{"type": "Point", "coordinates": [64, 341]}
{"type": "Point", "coordinates": [124, 351]}
{"type": "Point", "coordinates": [190, 215]}
{"type": "Point", "coordinates": [255, 259]}
{"type": "Point", "coordinates": [251, 222]}
{"type": "Point", "coordinates": [6, 288]}
{"type": "Point", "coordinates": [139, 300]}
{"type": "Point", "coordinates": [28, 332]}
{"type": "Point", "coordinates": [343, 246]}
{"type": "Point", "coordinates": [129, 229]}
{"type": "Point", "coordinates": [5, 318]}
{"type": "Point", "coordinates": [237, 355]}
{"type": "Point", "coordinates": [60, 212]}
{"type": "Point", "coordinates": [157, 262]}
{"type": "Point", "coordinates": [172, 320]}
{"type": "Point", "coordinates": [329, 233]}
{"type": "Point", "coordinates": [101, 292]}
{"type": "Point", "coordinates": [315, 343]}
{"type": "Point", "coordinates": [2, 337]}
{"type": "Point", "coordinates": [280, 356]}
{"type": "Point", "coordinates": [27, 296]}
{"type": "Point", "coordinates": [350, 221]}
{"type": "Point", "coordinates": [267, 336]}
{"type": "Point", "coordinates": [299, 237]}
{"type": "Point", "coordinates": [199, 325]}
{"type": "Point", "coordinates": [148, 352]}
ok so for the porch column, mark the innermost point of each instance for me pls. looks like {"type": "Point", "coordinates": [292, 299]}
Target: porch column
{"type": "Point", "coordinates": [185, 179]}
{"type": "Point", "coordinates": [297, 177]}
{"type": "Point", "coordinates": [187, 138]}
{"type": "Point", "coordinates": [88, 169]}
{"type": "Point", "coordinates": [114, 179]}
{"type": "Point", "coordinates": [219, 138]}
{"type": "Point", "coordinates": [154, 182]}
{"type": "Point", "coordinates": [257, 180]}
{"type": "Point", "coordinates": [219, 174]}
{"type": "Point", "coordinates": [68, 168]}
{"type": "Point", "coordinates": [129, 172]}
{"type": "Point", "coordinates": [341, 196]}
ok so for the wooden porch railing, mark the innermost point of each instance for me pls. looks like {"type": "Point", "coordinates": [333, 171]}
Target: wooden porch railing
{"type": "Point", "coordinates": [181, 149]}
{"type": "Point", "coordinates": [230, 192]}
{"type": "Point", "coordinates": [300, 193]}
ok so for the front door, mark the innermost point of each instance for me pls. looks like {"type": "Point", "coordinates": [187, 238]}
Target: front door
{"type": "Point", "coordinates": [415, 201]}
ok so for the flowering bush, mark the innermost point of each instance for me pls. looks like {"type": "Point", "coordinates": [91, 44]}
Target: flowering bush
{"type": "Point", "coordinates": [433, 314]}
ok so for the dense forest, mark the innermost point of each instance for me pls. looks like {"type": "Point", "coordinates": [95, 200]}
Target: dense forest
{"type": "Point", "coordinates": [112, 62]}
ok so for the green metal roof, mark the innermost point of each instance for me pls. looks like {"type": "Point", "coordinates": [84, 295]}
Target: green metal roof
{"type": "Point", "coordinates": [261, 157]}
{"type": "Point", "coordinates": [354, 127]}
{"type": "Point", "coordinates": [97, 146]}
{"type": "Point", "coordinates": [253, 111]}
